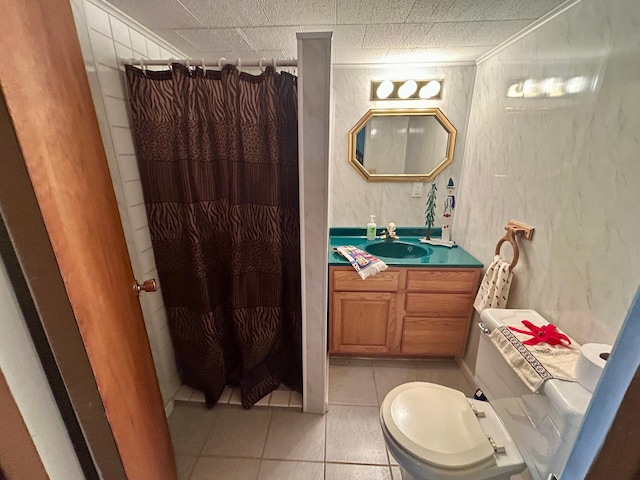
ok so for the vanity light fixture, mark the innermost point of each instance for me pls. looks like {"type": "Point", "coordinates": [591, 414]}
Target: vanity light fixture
{"type": "Point", "coordinates": [406, 89]}
{"type": "Point", "coordinates": [384, 89]}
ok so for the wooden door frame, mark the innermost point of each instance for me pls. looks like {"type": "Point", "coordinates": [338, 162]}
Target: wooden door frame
{"type": "Point", "coordinates": [37, 282]}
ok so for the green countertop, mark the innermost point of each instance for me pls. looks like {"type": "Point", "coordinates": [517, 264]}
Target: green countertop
{"type": "Point", "coordinates": [455, 257]}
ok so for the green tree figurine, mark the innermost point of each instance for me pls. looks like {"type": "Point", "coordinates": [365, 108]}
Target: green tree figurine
{"type": "Point", "coordinates": [430, 212]}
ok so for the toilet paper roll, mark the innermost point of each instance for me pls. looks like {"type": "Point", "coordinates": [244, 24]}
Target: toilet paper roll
{"type": "Point", "coordinates": [590, 364]}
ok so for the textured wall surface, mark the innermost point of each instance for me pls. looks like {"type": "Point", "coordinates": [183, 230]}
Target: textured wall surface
{"type": "Point", "coordinates": [567, 165]}
{"type": "Point", "coordinates": [353, 199]}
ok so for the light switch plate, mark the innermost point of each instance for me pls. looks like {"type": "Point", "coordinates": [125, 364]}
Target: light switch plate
{"type": "Point", "coordinates": [417, 189]}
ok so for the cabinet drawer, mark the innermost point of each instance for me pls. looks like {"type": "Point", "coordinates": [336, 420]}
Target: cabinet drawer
{"type": "Point", "coordinates": [349, 280]}
{"type": "Point", "coordinates": [439, 304]}
{"type": "Point", "coordinates": [449, 281]}
{"type": "Point", "coordinates": [434, 336]}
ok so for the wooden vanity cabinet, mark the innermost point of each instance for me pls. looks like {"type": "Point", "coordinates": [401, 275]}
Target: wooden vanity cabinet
{"type": "Point", "coordinates": [401, 311]}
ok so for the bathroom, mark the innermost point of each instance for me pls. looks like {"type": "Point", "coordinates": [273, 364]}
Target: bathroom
{"type": "Point", "coordinates": [533, 160]}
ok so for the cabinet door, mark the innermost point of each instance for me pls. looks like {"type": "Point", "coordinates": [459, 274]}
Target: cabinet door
{"type": "Point", "coordinates": [363, 322]}
{"type": "Point", "coordinates": [434, 336]}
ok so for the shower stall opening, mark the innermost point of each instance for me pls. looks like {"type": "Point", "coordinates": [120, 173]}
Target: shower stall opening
{"type": "Point", "coordinates": [218, 159]}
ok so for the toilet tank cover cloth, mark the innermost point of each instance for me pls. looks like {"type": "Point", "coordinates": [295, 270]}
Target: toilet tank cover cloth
{"type": "Point", "coordinates": [435, 424]}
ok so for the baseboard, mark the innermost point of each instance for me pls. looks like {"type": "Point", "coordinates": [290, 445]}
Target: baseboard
{"type": "Point", "coordinates": [466, 371]}
{"type": "Point", "coordinates": [168, 408]}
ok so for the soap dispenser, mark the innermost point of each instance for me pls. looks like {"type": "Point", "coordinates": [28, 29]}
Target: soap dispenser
{"type": "Point", "coordinates": [371, 228]}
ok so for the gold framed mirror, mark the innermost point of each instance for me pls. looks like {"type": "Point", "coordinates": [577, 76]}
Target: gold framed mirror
{"type": "Point", "coordinates": [402, 145]}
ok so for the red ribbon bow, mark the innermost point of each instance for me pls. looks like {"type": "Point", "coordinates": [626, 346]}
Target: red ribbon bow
{"type": "Point", "coordinates": [545, 334]}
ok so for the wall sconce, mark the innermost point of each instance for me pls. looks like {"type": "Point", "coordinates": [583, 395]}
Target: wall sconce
{"type": "Point", "coordinates": [406, 90]}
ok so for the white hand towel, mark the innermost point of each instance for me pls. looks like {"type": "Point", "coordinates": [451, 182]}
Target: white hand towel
{"type": "Point", "coordinates": [494, 289]}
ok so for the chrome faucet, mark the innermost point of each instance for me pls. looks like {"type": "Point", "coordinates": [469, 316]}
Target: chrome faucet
{"type": "Point", "coordinates": [389, 235]}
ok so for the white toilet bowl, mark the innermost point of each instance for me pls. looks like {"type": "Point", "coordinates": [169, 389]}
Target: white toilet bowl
{"type": "Point", "coordinates": [434, 434]}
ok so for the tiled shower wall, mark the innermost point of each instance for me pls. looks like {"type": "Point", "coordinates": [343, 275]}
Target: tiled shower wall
{"type": "Point", "coordinates": [107, 37]}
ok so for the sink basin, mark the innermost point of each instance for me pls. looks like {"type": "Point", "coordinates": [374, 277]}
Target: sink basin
{"type": "Point", "coordinates": [397, 250]}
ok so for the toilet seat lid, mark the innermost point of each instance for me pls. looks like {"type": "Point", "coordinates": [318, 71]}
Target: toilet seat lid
{"type": "Point", "coordinates": [435, 424]}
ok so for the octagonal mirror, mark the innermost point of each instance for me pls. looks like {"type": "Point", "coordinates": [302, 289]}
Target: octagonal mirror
{"type": "Point", "coordinates": [402, 145]}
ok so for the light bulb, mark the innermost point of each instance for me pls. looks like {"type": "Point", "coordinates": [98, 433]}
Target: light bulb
{"type": "Point", "coordinates": [407, 89]}
{"type": "Point", "coordinates": [431, 89]}
{"type": "Point", "coordinates": [384, 89]}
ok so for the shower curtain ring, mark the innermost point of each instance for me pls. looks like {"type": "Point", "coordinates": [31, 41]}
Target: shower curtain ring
{"type": "Point", "coordinates": [170, 64]}
{"type": "Point", "coordinates": [204, 68]}
{"type": "Point", "coordinates": [239, 63]}
{"type": "Point", "coordinates": [189, 66]}
{"type": "Point", "coordinates": [142, 66]}
{"type": "Point", "coordinates": [220, 62]}
{"type": "Point", "coordinates": [260, 64]}
{"type": "Point", "coordinates": [274, 63]}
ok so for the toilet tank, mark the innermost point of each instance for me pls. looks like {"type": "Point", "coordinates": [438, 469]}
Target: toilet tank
{"type": "Point", "coordinates": [544, 424]}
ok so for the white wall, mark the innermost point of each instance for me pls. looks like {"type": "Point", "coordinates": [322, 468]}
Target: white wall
{"type": "Point", "coordinates": [108, 37]}
{"type": "Point", "coordinates": [25, 376]}
{"type": "Point", "coordinates": [567, 166]}
{"type": "Point", "coordinates": [353, 198]}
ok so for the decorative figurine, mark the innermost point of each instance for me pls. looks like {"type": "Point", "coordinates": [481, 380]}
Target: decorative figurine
{"type": "Point", "coordinates": [430, 212]}
{"type": "Point", "coordinates": [449, 206]}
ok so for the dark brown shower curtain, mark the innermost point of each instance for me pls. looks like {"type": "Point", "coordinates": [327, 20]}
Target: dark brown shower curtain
{"type": "Point", "coordinates": [218, 157]}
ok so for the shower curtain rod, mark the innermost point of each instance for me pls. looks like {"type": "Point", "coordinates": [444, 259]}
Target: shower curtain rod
{"type": "Point", "coordinates": [193, 62]}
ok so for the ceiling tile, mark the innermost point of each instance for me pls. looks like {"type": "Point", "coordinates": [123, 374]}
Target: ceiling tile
{"type": "Point", "coordinates": [153, 14]}
{"type": "Point", "coordinates": [373, 11]}
{"type": "Point", "coordinates": [179, 42]}
{"type": "Point", "coordinates": [344, 36]}
{"type": "Point", "coordinates": [215, 39]}
{"type": "Point", "coordinates": [236, 13]}
{"type": "Point", "coordinates": [271, 38]}
{"type": "Point", "coordinates": [474, 10]}
{"type": "Point", "coordinates": [434, 55]}
{"type": "Point", "coordinates": [400, 35]}
{"type": "Point", "coordinates": [301, 12]}
{"type": "Point", "coordinates": [360, 56]}
{"type": "Point", "coordinates": [469, 34]}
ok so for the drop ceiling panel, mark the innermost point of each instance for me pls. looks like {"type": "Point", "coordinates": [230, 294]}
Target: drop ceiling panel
{"type": "Point", "coordinates": [400, 35]}
{"type": "Point", "coordinates": [435, 55]}
{"type": "Point", "coordinates": [235, 13]}
{"type": "Point", "coordinates": [218, 39]}
{"type": "Point", "coordinates": [373, 11]}
{"type": "Point", "coordinates": [271, 38]}
{"type": "Point", "coordinates": [344, 36]}
{"type": "Point", "coordinates": [365, 31]}
{"type": "Point", "coordinates": [474, 10]}
{"type": "Point", "coordinates": [470, 34]}
{"type": "Point", "coordinates": [360, 56]}
{"type": "Point", "coordinates": [156, 14]}
{"type": "Point", "coordinates": [301, 12]}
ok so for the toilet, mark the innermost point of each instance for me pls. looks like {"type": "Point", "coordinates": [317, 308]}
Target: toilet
{"type": "Point", "coordinates": [436, 433]}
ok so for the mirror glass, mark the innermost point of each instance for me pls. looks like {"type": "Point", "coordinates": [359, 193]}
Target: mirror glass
{"type": "Point", "coordinates": [402, 145]}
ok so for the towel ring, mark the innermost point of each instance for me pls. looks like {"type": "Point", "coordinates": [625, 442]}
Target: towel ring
{"type": "Point", "coordinates": [510, 237]}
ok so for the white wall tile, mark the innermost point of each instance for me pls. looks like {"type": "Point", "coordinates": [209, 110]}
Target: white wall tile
{"type": "Point", "coordinates": [123, 141]}
{"type": "Point", "coordinates": [97, 19]}
{"type": "Point", "coordinates": [112, 82]}
{"type": "Point", "coordinates": [153, 49]}
{"type": "Point", "coordinates": [120, 32]}
{"type": "Point", "coordinates": [138, 42]}
{"type": "Point", "coordinates": [147, 261]}
{"type": "Point", "coordinates": [103, 49]}
{"type": "Point", "coordinates": [128, 165]}
{"type": "Point", "coordinates": [123, 54]}
{"type": "Point", "coordinates": [117, 112]}
{"type": "Point", "coordinates": [138, 216]}
{"type": "Point", "coordinates": [133, 193]}
{"type": "Point", "coordinates": [142, 239]}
